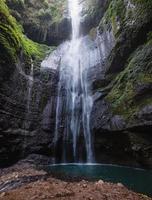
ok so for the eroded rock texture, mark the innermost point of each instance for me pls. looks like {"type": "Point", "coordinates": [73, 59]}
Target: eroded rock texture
{"type": "Point", "coordinates": [26, 120]}
{"type": "Point", "coordinates": [121, 119]}
{"type": "Point", "coordinates": [121, 116]}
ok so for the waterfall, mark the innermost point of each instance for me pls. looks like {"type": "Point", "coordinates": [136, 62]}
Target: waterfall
{"type": "Point", "coordinates": [72, 136]}
{"type": "Point", "coordinates": [27, 122]}
{"type": "Point", "coordinates": [30, 86]}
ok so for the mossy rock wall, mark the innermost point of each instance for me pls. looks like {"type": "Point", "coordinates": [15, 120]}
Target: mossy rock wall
{"type": "Point", "coordinates": [23, 94]}
{"type": "Point", "coordinates": [44, 21]}
{"type": "Point", "coordinates": [128, 64]}
{"type": "Point", "coordinates": [122, 110]}
{"type": "Point", "coordinates": [124, 103]}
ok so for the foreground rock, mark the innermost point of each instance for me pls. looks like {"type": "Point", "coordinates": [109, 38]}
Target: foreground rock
{"type": "Point", "coordinates": [42, 186]}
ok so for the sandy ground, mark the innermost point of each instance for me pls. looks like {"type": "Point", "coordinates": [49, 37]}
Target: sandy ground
{"type": "Point", "coordinates": [24, 182]}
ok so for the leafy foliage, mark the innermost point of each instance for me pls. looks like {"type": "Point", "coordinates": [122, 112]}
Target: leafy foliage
{"type": "Point", "coordinates": [12, 39]}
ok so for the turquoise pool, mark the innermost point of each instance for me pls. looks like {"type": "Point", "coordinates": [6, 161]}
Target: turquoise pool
{"type": "Point", "coordinates": [138, 180]}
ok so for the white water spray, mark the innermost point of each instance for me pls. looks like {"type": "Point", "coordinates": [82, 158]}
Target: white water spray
{"type": "Point", "coordinates": [74, 101]}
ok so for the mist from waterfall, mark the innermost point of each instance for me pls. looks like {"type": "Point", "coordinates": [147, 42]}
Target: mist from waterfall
{"type": "Point", "coordinates": [78, 102]}
{"type": "Point", "coordinates": [74, 59]}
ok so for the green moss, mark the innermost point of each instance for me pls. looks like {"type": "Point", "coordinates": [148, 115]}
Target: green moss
{"type": "Point", "coordinates": [145, 4]}
{"type": "Point", "coordinates": [93, 33]}
{"type": "Point", "coordinates": [123, 96]}
{"type": "Point", "coordinates": [33, 49]}
{"type": "Point", "coordinates": [149, 37]}
{"type": "Point", "coordinates": [120, 15]}
{"type": "Point", "coordinates": [114, 15]}
{"type": "Point", "coordinates": [57, 8]}
{"type": "Point", "coordinates": [142, 10]}
{"type": "Point", "coordinates": [12, 39]}
{"type": "Point", "coordinates": [39, 12]}
{"type": "Point", "coordinates": [16, 4]}
{"type": "Point", "coordinates": [91, 8]}
{"type": "Point", "coordinates": [9, 33]}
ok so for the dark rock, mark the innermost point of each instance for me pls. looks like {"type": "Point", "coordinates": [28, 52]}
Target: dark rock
{"type": "Point", "coordinates": [92, 19]}
{"type": "Point", "coordinates": [27, 108]}
{"type": "Point", "coordinates": [54, 34]}
{"type": "Point", "coordinates": [21, 112]}
{"type": "Point", "coordinates": [143, 91]}
{"type": "Point", "coordinates": [126, 44]}
{"type": "Point", "coordinates": [100, 116]}
{"type": "Point", "coordinates": [145, 113]}
{"type": "Point", "coordinates": [117, 149]}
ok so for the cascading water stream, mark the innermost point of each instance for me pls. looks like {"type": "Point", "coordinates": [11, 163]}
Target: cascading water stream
{"type": "Point", "coordinates": [30, 86]}
{"type": "Point", "coordinates": [74, 59]}
{"type": "Point", "coordinates": [26, 124]}
{"type": "Point", "coordinates": [78, 101]}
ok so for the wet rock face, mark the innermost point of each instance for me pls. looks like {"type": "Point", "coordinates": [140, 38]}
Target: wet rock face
{"type": "Point", "coordinates": [103, 121]}
{"type": "Point", "coordinates": [92, 12]}
{"type": "Point", "coordinates": [43, 21]}
{"type": "Point", "coordinates": [54, 34]}
{"type": "Point", "coordinates": [117, 142]}
{"type": "Point", "coordinates": [130, 27]}
{"type": "Point", "coordinates": [23, 128]}
{"type": "Point", "coordinates": [124, 148]}
{"type": "Point", "coordinates": [51, 25]}
{"type": "Point", "coordinates": [126, 44]}
{"type": "Point", "coordinates": [121, 119]}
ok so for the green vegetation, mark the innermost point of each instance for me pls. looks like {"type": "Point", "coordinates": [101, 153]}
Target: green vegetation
{"type": "Point", "coordinates": [33, 49]}
{"type": "Point", "coordinates": [9, 33]}
{"type": "Point", "coordinates": [114, 15]}
{"type": "Point", "coordinates": [56, 8]}
{"type": "Point", "coordinates": [90, 7]}
{"type": "Point", "coordinates": [124, 97]}
{"type": "Point", "coordinates": [145, 4]}
{"type": "Point", "coordinates": [120, 15]}
{"type": "Point", "coordinates": [131, 87]}
{"type": "Point", "coordinates": [13, 41]}
{"type": "Point", "coordinates": [38, 12]}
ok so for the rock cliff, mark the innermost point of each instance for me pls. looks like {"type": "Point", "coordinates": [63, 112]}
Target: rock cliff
{"type": "Point", "coordinates": [122, 109]}
{"type": "Point", "coordinates": [121, 119]}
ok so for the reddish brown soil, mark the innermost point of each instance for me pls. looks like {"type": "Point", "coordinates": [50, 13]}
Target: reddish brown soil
{"type": "Point", "coordinates": [50, 188]}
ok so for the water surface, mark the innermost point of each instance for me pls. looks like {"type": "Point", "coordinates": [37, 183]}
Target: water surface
{"type": "Point", "coordinates": [138, 180]}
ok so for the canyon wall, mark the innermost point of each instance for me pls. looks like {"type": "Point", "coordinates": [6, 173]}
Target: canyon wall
{"type": "Point", "coordinates": [121, 119]}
